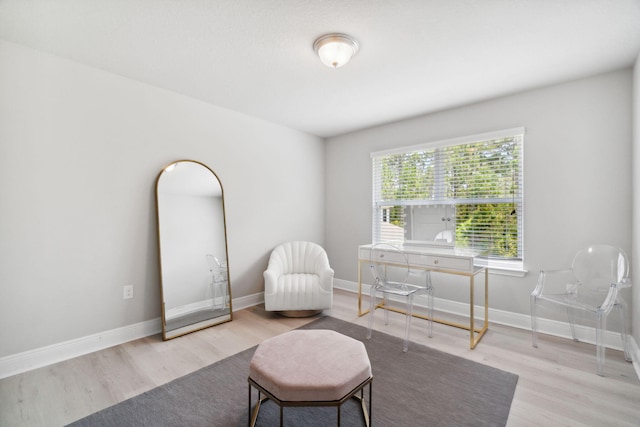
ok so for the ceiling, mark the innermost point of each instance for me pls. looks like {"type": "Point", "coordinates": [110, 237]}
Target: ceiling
{"type": "Point", "coordinates": [256, 56]}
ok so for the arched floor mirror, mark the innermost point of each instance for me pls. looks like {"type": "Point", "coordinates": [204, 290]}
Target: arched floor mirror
{"type": "Point", "coordinates": [192, 238]}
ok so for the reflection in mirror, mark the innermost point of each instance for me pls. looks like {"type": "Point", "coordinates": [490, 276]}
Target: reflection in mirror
{"type": "Point", "coordinates": [196, 292]}
{"type": "Point", "coordinates": [431, 224]}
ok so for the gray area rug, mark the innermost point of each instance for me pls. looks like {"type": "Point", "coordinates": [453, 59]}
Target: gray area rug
{"type": "Point", "coordinates": [424, 387]}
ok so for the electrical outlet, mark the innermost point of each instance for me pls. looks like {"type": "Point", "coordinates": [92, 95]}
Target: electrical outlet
{"type": "Point", "coordinates": [128, 292]}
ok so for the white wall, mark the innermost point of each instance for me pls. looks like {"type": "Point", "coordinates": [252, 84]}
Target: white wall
{"type": "Point", "coordinates": [636, 202]}
{"type": "Point", "coordinates": [577, 171]}
{"type": "Point", "coordinates": [80, 150]}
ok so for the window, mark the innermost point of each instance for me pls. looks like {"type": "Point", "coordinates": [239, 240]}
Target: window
{"type": "Point", "coordinates": [465, 192]}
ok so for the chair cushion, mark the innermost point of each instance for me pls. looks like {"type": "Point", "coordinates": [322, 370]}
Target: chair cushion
{"type": "Point", "coordinates": [310, 365]}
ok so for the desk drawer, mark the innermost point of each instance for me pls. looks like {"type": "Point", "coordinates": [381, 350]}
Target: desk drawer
{"type": "Point", "coordinates": [443, 262]}
{"type": "Point", "coordinates": [383, 256]}
{"type": "Point", "coordinates": [419, 260]}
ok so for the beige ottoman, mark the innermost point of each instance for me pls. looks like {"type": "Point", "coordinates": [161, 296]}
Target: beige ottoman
{"type": "Point", "coordinates": [310, 368]}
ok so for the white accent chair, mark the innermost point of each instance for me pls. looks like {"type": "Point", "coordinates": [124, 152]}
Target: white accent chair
{"type": "Point", "coordinates": [298, 281]}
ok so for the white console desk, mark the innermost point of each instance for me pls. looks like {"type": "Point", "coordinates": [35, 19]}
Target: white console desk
{"type": "Point", "coordinates": [436, 259]}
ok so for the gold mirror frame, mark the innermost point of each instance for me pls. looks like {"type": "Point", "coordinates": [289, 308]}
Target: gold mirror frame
{"type": "Point", "coordinates": [194, 280]}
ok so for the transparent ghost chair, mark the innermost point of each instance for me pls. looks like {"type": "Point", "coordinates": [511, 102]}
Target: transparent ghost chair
{"type": "Point", "coordinates": [390, 275]}
{"type": "Point", "coordinates": [590, 286]}
{"type": "Point", "coordinates": [218, 281]}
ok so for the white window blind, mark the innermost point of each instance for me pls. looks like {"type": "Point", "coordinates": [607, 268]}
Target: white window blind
{"type": "Point", "coordinates": [467, 192]}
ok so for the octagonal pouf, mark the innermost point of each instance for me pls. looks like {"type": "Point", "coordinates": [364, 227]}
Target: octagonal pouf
{"type": "Point", "coordinates": [310, 368]}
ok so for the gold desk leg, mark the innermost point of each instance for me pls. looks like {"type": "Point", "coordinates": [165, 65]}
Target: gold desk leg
{"type": "Point", "coordinates": [486, 298]}
{"type": "Point", "coordinates": [472, 343]}
{"type": "Point", "coordinates": [360, 313]}
{"type": "Point", "coordinates": [485, 325]}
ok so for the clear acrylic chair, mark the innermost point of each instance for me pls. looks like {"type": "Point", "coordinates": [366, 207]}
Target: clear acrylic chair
{"type": "Point", "coordinates": [390, 275]}
{"type": "Point", "coordinates": [218, 281]}
{"type": "Point", "coordinates": [591, 286]}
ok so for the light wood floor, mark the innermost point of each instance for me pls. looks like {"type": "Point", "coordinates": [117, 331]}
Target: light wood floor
{"type": "Point", "coordinates": [557, 385]}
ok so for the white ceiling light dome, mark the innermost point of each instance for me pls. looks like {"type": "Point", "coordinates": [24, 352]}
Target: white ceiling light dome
{"type": "Point", "coordinates": [335, 49]}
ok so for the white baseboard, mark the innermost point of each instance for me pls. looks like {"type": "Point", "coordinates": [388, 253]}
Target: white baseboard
{"type": "Point", "coordinates": [516, 320]}
{"type": "Point", "coordinates": [248, 301]}
{"type": "Point", "coordinates": [194, 307]}
{"type": "Point", "coordinates": [44, 356]}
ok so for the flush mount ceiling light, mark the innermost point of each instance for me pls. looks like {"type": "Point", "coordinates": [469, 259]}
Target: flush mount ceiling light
{"type": "Point", "coordinates": [335, 49]}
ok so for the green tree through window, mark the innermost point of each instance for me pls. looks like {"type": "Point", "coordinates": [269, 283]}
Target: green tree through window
{"type": "Point", "coordinates": [479, 179]}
